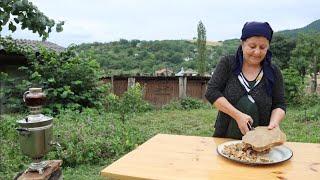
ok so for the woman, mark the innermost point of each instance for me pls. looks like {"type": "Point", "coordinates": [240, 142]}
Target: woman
{"type": "Point", "coordinates": [246, 88]}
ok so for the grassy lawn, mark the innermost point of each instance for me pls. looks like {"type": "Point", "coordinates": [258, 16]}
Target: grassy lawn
{"type": "Point", "coordinates": [200, 123]}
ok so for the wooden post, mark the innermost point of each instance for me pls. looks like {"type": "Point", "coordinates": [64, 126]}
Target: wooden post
{"type": "Point", "coordinates": [203, 90]}
{"type": "Point", "coordinates": [185, 86]}
{"type": "Point", "coordinates": [131, 82]}
{"type": "Point", "coordinates": [112, 87]}
{"type": "Point", "coordinates": [182, 87]}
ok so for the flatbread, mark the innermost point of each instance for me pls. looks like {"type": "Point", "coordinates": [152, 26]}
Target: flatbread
{"type": "Point", "coordinates": [261, 138]}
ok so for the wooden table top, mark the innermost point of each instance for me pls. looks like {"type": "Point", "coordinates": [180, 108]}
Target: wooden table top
{"type": "Point", "coordinates": [190, 157]}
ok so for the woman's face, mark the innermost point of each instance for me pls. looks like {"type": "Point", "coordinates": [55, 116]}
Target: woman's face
{"type": "Point", "coordinates": [255, 49]}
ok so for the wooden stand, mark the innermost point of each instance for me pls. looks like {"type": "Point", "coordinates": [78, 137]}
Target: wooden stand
{"type": "Point", "coordinates": [53, 172]}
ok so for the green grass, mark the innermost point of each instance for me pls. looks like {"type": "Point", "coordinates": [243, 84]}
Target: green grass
{"type": "Point", "coordinates": [302, 126]}
{"type": "Point", "coordinates": [193, 122]}
{"type": "Point", "coordinates": [200, 123]}
{"type": "Point", "coordinates": [83, 172]}
{"type": "Point", "coordinates": [298, 126]}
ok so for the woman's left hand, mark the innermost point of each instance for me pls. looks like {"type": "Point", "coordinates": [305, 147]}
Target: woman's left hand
{"type": "Point", "coordinates": [273, 124]}
{"type": "Point", "coordinates": [276, 117]}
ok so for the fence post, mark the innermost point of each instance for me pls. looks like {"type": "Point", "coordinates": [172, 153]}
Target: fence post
{"type": "Point", "coordinates": [112, 87]}
{"type": "Point", "coordinates": [131, 82]}
{"type": "Point", "coordinates": [204, 87]}
{"type": "Point", "coordinates": [182, 87]}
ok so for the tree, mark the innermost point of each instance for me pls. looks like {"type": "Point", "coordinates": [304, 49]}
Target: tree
{"type": "Point", "coordinates": [201, 45]}
{"type": "Point", "coordinates": [24, 13]}
{"type": "Point", "coordinates": [306, 56]}
{"type": "Point", "coordinates": [281, 47]}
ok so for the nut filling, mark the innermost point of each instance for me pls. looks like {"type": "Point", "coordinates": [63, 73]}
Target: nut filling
{"type": "Point", "coordinates": [244, 152]}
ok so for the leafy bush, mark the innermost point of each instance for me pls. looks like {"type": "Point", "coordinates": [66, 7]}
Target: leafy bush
{"type": "Point", "coordinates": [90, 136]}
{"type": "Point", "coordinates": [187, 103]}
{"type": "Point", "coordinates": [293, 86]}
{"type": "Point", "coordinates": [130, 102]}
{"type": "Point", "coordinates": [68, 78]}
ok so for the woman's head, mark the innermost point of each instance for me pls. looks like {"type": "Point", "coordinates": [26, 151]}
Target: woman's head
{"type": "Point", "coordinates": [255, 49]}
{"type": "Point", "coordinates": [256, 38]}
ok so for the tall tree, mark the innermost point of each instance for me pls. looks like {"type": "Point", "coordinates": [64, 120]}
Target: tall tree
{"type": "Point", "coordinates": [281, 47]}
{"type": "Point", "coordinates": [306, 56]}
{"type": "Point", "coordinates": [201, 45]}
{"type": "Point", "coordinates": [24, 13]}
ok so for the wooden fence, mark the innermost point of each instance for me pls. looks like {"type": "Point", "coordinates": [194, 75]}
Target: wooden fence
{"type": "Point", "coordinates": [160, 90]}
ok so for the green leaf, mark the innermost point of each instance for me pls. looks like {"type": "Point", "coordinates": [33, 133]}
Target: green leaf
{"type": "Point", "coordinates": [59, 26]}
{"type": "Point", "coordinates": [77, 82]}
{"type": "Point", "coordinates": [16, 20]}
{"type": "Point", "coordinates": [12, 27]}
{"type": "Point", "coordinates": [64, 94]}
{"type": "Point", "coordinates": [5, 17]}
{"type": "Point", "coordinates": [51, 80]}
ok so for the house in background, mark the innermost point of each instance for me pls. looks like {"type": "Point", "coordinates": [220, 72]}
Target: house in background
{"type": "Point", "coordinates": [9, 63]}
{"type": "Point", "coordinates": [188, 72]}
{"type": "Point", "coordinates": [164, 72]}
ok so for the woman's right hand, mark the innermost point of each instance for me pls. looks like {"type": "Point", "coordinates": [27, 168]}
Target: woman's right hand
{"type": "Point", "coordinates": [242, 121]}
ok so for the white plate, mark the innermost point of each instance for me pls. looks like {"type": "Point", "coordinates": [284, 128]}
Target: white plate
{"type": "Point", "coordinates": [277, 154]}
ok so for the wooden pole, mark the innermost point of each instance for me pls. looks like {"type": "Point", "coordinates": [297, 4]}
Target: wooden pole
{"type": "Point", "coordinates": [131, 82]}
{"type": "Point", "coordinates": [182, 87]}
{"type": "Point", "coordinates": [112, 87]}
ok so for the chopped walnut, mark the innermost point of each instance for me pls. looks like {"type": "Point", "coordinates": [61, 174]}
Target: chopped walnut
{"type": "Point", "coordinates": [244, 152]}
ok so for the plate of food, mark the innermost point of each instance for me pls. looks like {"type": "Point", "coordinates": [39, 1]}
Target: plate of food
{"type": "Point", "coordinates": [258, 147]}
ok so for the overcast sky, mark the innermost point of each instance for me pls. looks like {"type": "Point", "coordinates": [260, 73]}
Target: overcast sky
{"type": "Point", "coordinates": [110, 20]}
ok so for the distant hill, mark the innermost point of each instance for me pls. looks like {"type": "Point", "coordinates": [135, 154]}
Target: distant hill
{"type": "Point", "coordinates": [312, 27]}
{"type": "Point", "coordinates": [145, 57]}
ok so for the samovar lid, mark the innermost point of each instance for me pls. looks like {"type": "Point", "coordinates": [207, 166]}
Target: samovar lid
{"type": "Point", "coordinates": [37, 120]}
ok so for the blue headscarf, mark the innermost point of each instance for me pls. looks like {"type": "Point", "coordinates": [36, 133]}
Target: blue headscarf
{"type": "Point", "coordinates": [257, 29]}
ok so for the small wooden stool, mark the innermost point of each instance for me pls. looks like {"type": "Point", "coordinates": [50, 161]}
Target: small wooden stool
{"type": "Point", "coordinates": [52, 172]}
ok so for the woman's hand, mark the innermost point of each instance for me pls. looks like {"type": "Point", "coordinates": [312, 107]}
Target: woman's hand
{"type": "Point", "coordinates": [242, 121]}
{"type": "Point", "coordinates": [276, 117]}
{"type": "Point", "coordinates": [273, 124]}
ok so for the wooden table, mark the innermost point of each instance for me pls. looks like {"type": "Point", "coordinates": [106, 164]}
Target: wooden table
{"type": "Point", "coordinates": [189, 157]}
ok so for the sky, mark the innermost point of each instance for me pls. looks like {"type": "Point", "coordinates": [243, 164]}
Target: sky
{"type": "Point", "coordinates": [111, 20]}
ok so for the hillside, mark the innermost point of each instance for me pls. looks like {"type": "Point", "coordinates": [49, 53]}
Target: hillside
{"type": "Point", "coordinates": [145, 57]}
{"type": "Point", "coordinates": [312, 27]}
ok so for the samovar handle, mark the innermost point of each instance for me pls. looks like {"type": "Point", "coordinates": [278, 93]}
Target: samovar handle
{"type": "Point", "coordinates": [53, 143]}
{"type": "Point", "coordinates": [24, 95]}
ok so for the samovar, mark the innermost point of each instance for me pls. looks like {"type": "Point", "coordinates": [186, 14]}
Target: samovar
{"type": "Point", "coordinates": [35, 131]}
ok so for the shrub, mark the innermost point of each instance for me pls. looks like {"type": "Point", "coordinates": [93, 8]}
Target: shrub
{"type": "Point", "coordinates": [69, 78]}
{"type": "Point", "coordinates": [91, 136]}
{"type": "Point", "coordinates": [130, 102]}
{"type": "Point", "coordinates": [293, 86]}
